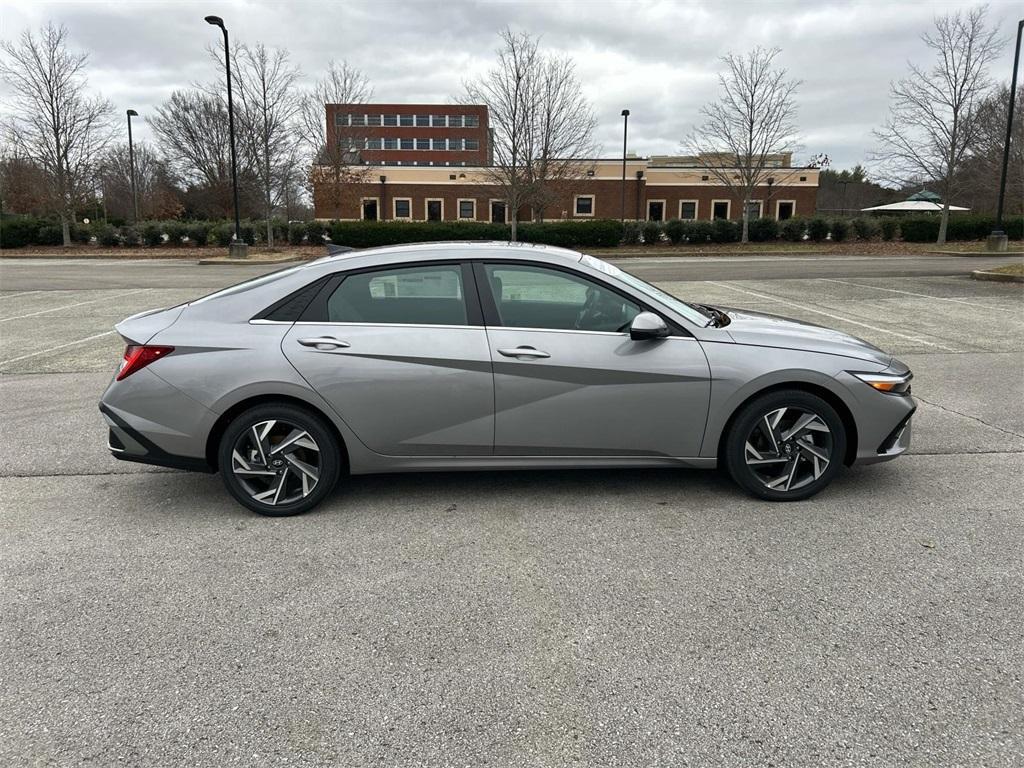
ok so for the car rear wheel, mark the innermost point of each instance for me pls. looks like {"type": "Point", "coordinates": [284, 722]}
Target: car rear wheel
{"type": "Point", "coordinates": [279, 460]}
{"type": "Point", "coordinates": [785, 446]}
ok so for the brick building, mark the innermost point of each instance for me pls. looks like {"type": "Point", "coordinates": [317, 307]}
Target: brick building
{"type": "Point", "coordinates": [417, 162]}
{"type": "Point", "coordinates": [411, 134]}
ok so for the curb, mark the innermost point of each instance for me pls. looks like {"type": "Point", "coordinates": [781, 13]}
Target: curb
{"type": "Point", "coordinates": [248, 262]}
{"type": "Point", "coordinates": [976, 254]}
{"type": "Point", "coordinates": [996, 277]}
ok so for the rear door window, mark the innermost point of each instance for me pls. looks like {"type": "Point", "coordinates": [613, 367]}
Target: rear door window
{"type": "Point", "coordinates": [411, 295]}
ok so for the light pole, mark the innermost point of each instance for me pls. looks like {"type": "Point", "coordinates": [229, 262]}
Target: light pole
{"type": "Point", "coordinates": [238, 247]}
{"type": "Point", "coordinates": [997, 240]}
{"type": "Point", "coordinates": [625, 126]}
{"type": "Point", "coordinates": [131, 162]}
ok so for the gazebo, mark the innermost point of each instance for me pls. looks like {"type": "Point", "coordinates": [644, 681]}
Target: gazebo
{"type": "Point", "coordinates": [920, 202]}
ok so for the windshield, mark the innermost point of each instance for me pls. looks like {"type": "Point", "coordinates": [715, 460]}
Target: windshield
{"type": "Point", "coordinates": [689, 311]}
{"type": "Point", "coordinates": [247, 285]}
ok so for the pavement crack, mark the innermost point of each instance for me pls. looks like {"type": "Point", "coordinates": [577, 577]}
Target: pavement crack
{"type": "Point", "coordinates": [968, 416]}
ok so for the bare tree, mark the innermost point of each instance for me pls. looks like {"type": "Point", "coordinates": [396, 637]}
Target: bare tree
{"type": "Point", "coordinates": [984, 159]}
{"type": "Point", "coordinates": [540, 122]}
{"type": "Point", "coordinates": [158, 197]}
{"type": "Point", "coordinates": [746, 130]}
{"type": "Point", "coordinates": [331, 154]}
{"type": "Point", "coordinates": [268, 107]}
{"type": "Point", "coordinates": [54, 122]}
{"type": "Point", "coordinates": [933, 115]}
{"type": "Point", "coordinates": [191, 129]}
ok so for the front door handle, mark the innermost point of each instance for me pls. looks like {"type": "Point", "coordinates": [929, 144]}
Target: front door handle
{"type": "Point", "coordinates": [324, 343]}
{"type": "Point", "coordinates": [523, 352]}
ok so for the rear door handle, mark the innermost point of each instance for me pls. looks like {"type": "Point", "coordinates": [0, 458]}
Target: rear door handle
{"type": "Point", "coordinates": [523, 352]}
{"type": "Point", "coordinates": [324, 342]}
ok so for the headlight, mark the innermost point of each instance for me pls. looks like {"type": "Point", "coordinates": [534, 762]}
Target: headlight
{"type": "Point", "coordinates": [890, 384]}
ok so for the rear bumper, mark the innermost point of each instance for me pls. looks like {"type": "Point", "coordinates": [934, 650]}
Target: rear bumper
{"type": "Point", "coordinates": [128, 444]}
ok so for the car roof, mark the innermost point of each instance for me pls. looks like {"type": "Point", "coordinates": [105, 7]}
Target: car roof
{"type": "Point", "coordinates": [450, 248]}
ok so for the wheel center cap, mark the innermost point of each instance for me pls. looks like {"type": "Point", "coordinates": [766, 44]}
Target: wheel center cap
{"type": "Point", "coordinates": [277, 463]}
{"type": "Point", "coordinates": [787, 448]}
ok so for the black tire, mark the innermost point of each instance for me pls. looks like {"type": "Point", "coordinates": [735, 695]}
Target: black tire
{"type": "Point", "coordinates": [807, 476]}
{"type": "Point", "coordinates": [287, 416]}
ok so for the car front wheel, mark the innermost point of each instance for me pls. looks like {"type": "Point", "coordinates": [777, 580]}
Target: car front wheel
{"type": "Point", "coordinates": [279, 460]}
{"type": "Point", "coordinates": [785, 446]}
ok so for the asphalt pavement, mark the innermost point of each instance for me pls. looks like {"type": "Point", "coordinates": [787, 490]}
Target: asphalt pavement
{"type": "Point", "coordinates": [632, 618]}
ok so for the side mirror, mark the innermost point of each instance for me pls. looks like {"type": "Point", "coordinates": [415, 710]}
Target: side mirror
{"type": "Point", "coordinates": [648, 325]}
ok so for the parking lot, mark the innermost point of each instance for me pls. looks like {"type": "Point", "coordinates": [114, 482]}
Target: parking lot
{"type": "Point", "coordinates": [523, 618]}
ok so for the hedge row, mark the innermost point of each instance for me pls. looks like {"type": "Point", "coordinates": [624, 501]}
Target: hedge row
{"type": "Point", "coordinates": [602, 233]}
{"type": "Point", "coordinates": [914, 229]}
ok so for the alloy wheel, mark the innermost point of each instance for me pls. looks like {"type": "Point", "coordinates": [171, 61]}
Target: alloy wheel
{"type": "Point", "coordinates": [788, 448]}
{"type": "Point", "coordinates": [276, 462]}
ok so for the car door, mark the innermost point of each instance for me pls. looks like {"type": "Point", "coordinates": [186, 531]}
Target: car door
{"type": "Point", "coordinates": [400, 353]}
{"type": "Point", "coordinates": [569, 381]}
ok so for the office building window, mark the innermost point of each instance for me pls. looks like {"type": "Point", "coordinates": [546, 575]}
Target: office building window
{"type": "Point", "coordinates": [373, 119]}
{"type": "Point", "coordinates": [439, 121]}
{"type": "Point", "coordinates": [340, 119]}
{"type": "Point", "coordinates": [406, 120]}
{"type": "Point", "coordinates": [422, 121]}
{"type": "Point", "coordinates": [471, 144]}
{"type": "Point", "coordinates": [408, 144]}
{"type": "Point", "coordinates": [454, 121]}
{"type": "Point", "coordinates": [584, 205]}
{"type": "Point", "coordinates": [467, 209]}
{"type": "Point", "coordinates": [358, 120]}
{"type": "Point", "coordinates": [422, 143]}
{"type": "Point", "coordinates": [688, 210]}
{"type": "Point", "coordinates": [390, 119]}
{"type": "Point", "coordinates": [441, 144]}
{"type": "Point", "coordinates": [390, 143]}
{"type": "Point", "coordinates": [403, 208]}
{"type": "Point", "coordinates": [470, 121]}
{"type": "Point", "coordinates": [374, 143]}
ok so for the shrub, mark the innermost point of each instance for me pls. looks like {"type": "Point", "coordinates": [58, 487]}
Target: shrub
{"type": "Point", "coordinates": [675, 231]}
{"type": "Point", "coordinates": [296, 232]}
{"type": "Point", "coordinates": [368, 234]}
{"type": "Point", "coordinates": [889, 227]}
{"type": "Point", "coordinates": [724, 231]}
{"type": "Point", "coordinates": [763, 229]}
{"type": "Point", "coordinates": [793, 230]}
{"type": "Point", "coordinates": [600, 233]}
{"type": "Point", "coordinates": [16, 232]}
{"type": "Point", "coordinates": [280, 229]}
{"type": "Point", "coordinates": [840, 229]}
{"type": "Point", "coordinates": [817, 229]}
{"type": "Point", "coordinates": [107, 235]}
{"type": "Point", "coordinates": [198, 232]}
{"type": "Point", "coordinates": [81, 233]}
{"type": "Point", "coordinates": [315, 232]}
{"type": "Point", "coordinates": [176, 231]}
{"type": "Point", "coordinates": [152, 234]}
{"type": "Point", "coordinates": [865, 228]}
{"type": "Point", "coordinates": [631, 233]}
{"type": "Point", "coordinates": [699, 232]}
{"type": "Point", "coordinates": [50, 234]}
{"type": "Point", "coordinates": [129, 235]}
{"type": "Point", "coordinates": [920, 229]}
{"type": "Point", "coordinates": [223, 233]}
{"type": "Point", "coordinates": [652, 232]}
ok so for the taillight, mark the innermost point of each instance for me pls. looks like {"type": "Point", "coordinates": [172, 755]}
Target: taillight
{"type": "Point", "coordinates": [138, 356]}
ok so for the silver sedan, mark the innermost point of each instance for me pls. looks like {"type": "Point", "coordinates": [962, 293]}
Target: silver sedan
{"type": "Point", "coordinates": [457, 356]}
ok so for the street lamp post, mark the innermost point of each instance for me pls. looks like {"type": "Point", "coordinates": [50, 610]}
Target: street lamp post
{"type": "Point", "coordinates": [238, 246]}
{"type": "Point", "coordinates": [625, 126]}
{"type": "Point", "coordinates": [131, 162]}
{"type": "Point", "coordinates": [997, 241]}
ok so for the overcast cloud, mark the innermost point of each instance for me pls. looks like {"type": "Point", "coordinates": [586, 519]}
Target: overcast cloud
{"type": "Point", "coordinates": [659, 59]}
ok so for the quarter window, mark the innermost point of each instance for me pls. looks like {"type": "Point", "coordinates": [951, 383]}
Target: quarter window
{"type": "Point", "coordinates": [411, 295]}
{"type": "Point", "coordinates": [535, 297]}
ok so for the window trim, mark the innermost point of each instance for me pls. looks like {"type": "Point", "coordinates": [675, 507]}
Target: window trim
{"type": "Point", "coordinates": [575, 206]}
{"type": "Point", "coordinates": [491, 318]}
{"type": "Point", "coordinates": [696, 210]}
{"type": "Point", "coordinates": [316, 311]}
{"type": "Point", "coordinates": [394, 209]}
{"type": "Point", "coordinates": [664, 209]}
{"type": "Point", "coordinates": [458, 208]}
{"type": "Point", "coordinates": [426, 207]}
{"type": "Point", "coordinates": [779, 202]}
{"type": "Point", "coordinates": [728, 209]}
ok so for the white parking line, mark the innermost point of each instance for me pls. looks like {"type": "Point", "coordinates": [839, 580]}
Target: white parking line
{"type": "Point", "coordinates": [922, 295]}
{"type": "Point", "coordinates": [829, 314]}
{"type": "Point", "coordinates": [59, 346]}
{"type": "Point", "coordinates": [53, 309]}
{"type": "Point", "coordinates": [17, 293]}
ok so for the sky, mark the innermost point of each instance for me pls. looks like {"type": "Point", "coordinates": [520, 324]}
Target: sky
{"type": "Point", "coordinates": [658, 59]}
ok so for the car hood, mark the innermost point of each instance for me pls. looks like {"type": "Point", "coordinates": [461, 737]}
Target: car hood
{"type": "Point", "coordinates": [757, 328]}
